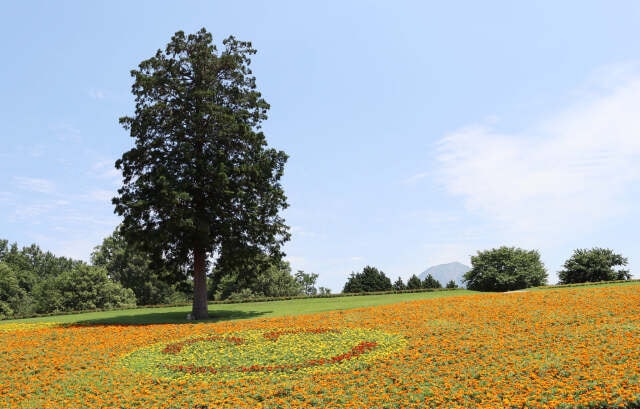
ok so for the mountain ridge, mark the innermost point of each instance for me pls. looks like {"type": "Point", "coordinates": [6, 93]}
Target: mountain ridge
{"type": "Point", "coordinates": [446, 272]}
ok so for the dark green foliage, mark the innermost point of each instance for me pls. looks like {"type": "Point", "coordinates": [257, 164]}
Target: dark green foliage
{"type": "Point", "coordinates": [452, 284]}
{"type": "Point", "coordinates": [371, 279]}
{"type": "Point", "coordinates": [13, 298]}
{"type": "Point", "coordinates": [31, 265]}
{"type": "Point", "coordinates": [200, 180]}
{"type": "Point", "coordinates": [277, 281]}
{"type": "Point", "coordinates": [264, 277]}
{"type": "Point", "coordinates": [83, 287]}
{"type": "Point", "coordinates": [414, 283]}
{"type": "Point", "coordinates": [430, 282]}
{"type": "Point", "coordinates": [399, 285]}
{"type": "Point", "coordinates": [505, 269]}
{"type": "Point", "coordinates": [593, 265]}
{"type": "Point", "coordinates": [133, 269]}
{"type": "Point", "coordinates": [33, 281]}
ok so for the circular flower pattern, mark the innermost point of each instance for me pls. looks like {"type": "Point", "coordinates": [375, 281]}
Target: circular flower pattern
{"type": "Point", "coordinates": [255, 353]}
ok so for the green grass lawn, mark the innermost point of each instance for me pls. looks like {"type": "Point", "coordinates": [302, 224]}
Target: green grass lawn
{"type": "Point", "coordinates": [264, 309]}
{"type": "Point", "coordinates": [224, 312]}
{"type": "Point", "coordinates": [601, 284]}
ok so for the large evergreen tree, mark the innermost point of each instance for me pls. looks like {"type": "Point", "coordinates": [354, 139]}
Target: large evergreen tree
{"type": "Point", "coordinates": [200, 181]}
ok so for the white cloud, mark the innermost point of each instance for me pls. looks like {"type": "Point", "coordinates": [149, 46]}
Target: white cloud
{"type": "Point", "coordinates": [76, 218]}
{"type": "Point", "coordinates": [297, 262]}
{"type": "Point", "coordinates": [433, 218]}
{"type": "Point", "coordinates": [303, 232]}
{"type": "Point", "coordinates": [100, 195]}
{"type": "Point", "coordinates": [413, 179]}
{"type": "Point", "coordinates": [77, 249]}
{"type": "Point", "coordinates": [34, 184]}
{"type": "Point", "coordinates": [105, 169]}
{"type": "Point", "coordinates": [31, 213]}
{"type": "Point", "coordinates": [97, 94]}
{"type": "Point", "coordinates": [565, 174]}
{"type": "Point", "coordinates": [5, 197]}
{"type": "Point", "coordinates": [39, 212]}
{"type": "Point", "coordinates": [37, 151]}
{"type": "Point", "coordinates": [65, 132]}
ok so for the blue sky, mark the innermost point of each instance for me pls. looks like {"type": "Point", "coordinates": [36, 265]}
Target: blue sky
{"type": "Point", "coordinates": [419, 132]}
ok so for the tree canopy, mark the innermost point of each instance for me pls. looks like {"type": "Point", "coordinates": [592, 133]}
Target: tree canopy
{"type": "Point", "coordinates": [133, 269]}
{"type": "Point", "coordinates": [430, 282]}
{"type": "Point", "coordinates": [34, 281]}
{"type": "Point", "coordinates": [399, 285]}
{"type": "Point", "coordinates": [261, 276]}
{"type": "Point", "coordinates": [592, 265]}
{"type": "Point", "coordinates": [451, 284]}
{"type": "Point", "coordinates": [414, 283]}
{"type": "Point", "coordinates": [200, 183]}
{"type": "Point", "coordinates": [307, 282]}
{"type": "Point", "coordinates": [369, 280]}
{"type": "Point", "coordinates": [505, 269]}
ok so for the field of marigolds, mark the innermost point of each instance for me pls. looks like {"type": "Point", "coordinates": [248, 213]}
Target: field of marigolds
{"type": "Point", "coordinates": [558, 348]}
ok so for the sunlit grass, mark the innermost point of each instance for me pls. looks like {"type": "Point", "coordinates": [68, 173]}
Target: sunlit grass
{"type": "Point", "coordinates": [224, 312]}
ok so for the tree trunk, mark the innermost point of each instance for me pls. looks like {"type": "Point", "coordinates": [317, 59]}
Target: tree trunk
{"type": "Point", "coordinates": [200, 308]}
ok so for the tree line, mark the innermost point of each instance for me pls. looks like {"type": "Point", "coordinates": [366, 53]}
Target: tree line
{"type": "Point", "coordinates": [33, 281]}
{"type": "Point", "coordinates": [505, 269]}
{"type": "Point", "coordinates": [373, 280]}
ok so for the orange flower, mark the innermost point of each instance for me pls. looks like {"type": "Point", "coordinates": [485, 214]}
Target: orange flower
{"type": "Point", "coordinates": [539, 349]}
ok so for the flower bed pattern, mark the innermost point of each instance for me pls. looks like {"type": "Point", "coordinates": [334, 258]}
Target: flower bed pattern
{"type": "Point", "coordinates": [564, 348]}
{"type": "Point", "coordinates": [259, 354]}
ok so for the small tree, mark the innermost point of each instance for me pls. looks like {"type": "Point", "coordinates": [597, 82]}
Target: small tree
{"type": "Point", "coordinates": [307, 281]}
{"type": "Point", "coordinates": [371, 279]}
{"type": "Point", "coordinates": [452, 284]}
{"type": "Point", "coordinates": [414, 283]}
{"type": "Point", "coordinates": [505, 269]}
{"type": "Point", "coordinates": [596, 264]}
{"type": "Point", "coordinates": [430, 282]}
{"type": "Point", "coordinates": [398, 285]}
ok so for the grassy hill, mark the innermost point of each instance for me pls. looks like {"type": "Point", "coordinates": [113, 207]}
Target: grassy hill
{"type": "Point", "coordinates": [225, 312]}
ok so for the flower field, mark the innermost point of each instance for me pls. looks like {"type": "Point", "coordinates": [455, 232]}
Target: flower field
{"type": "Point", "coordinates": [563, 348]}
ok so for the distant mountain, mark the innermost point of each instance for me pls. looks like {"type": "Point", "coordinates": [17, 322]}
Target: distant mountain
{"type": "Point", "coordinates": [446, 272]}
